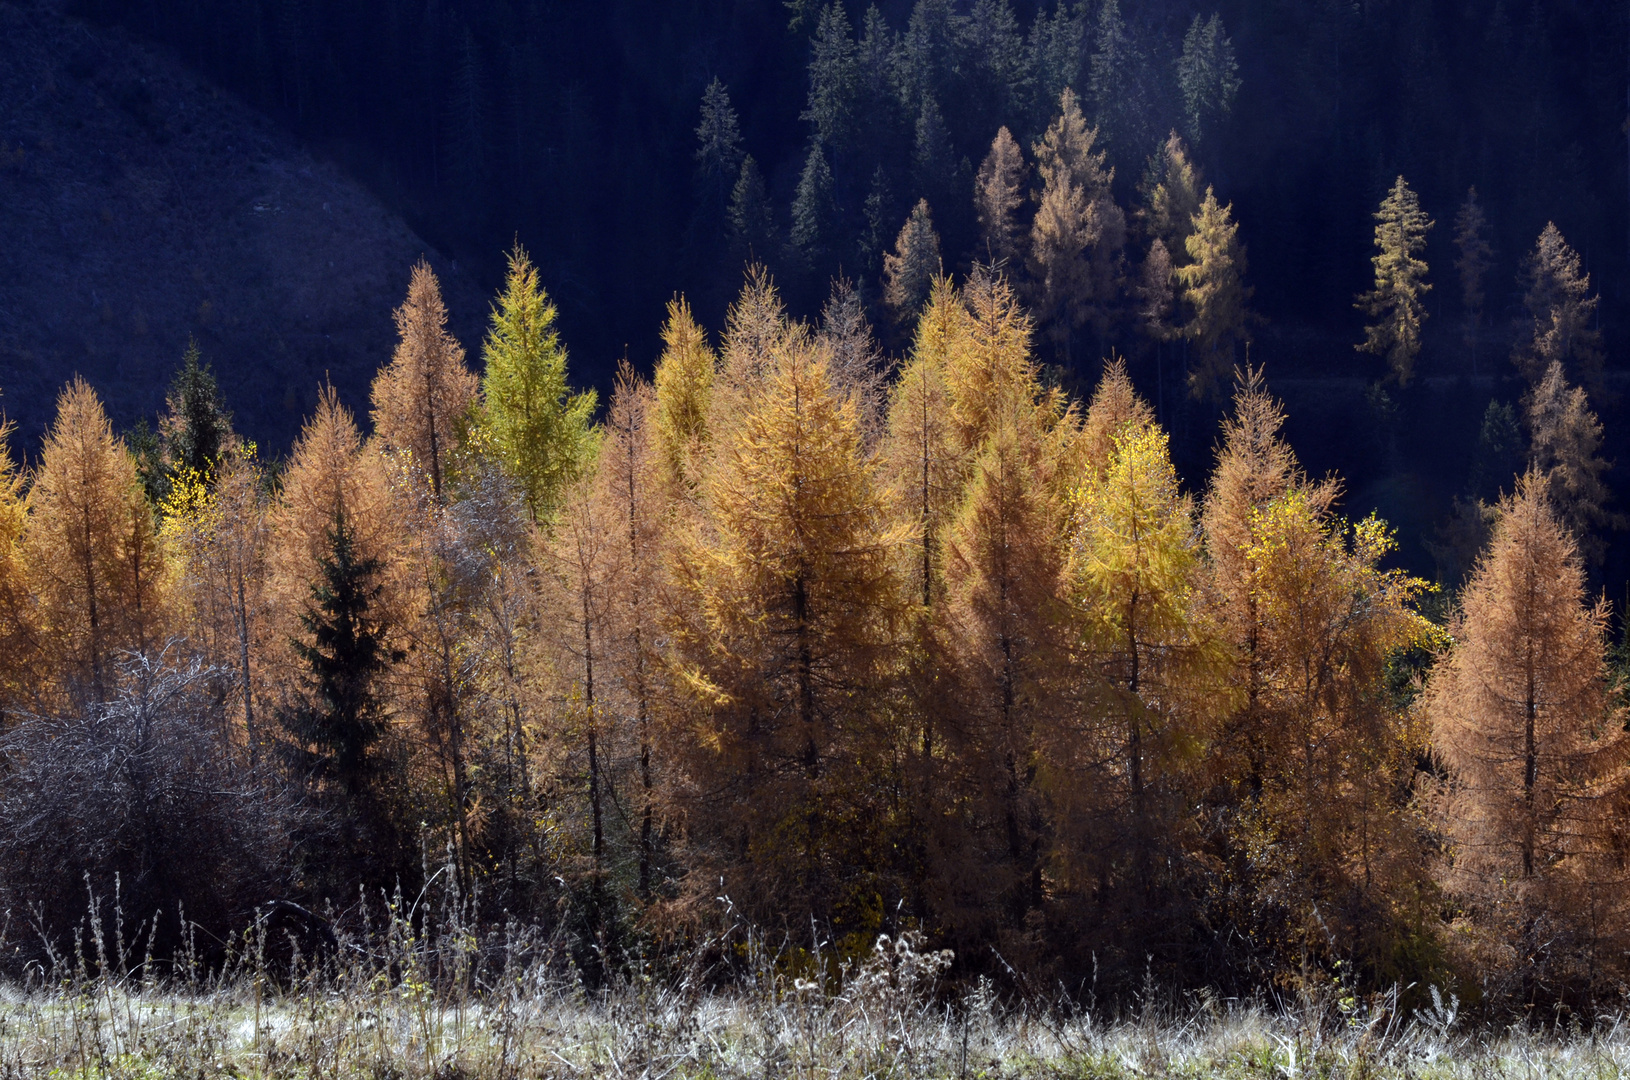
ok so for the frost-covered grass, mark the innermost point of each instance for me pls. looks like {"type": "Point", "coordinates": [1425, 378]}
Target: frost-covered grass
{"type": "Point", "coordinates": [416, 996]}
{"type": "Point", "coordinates": [871, 1028]}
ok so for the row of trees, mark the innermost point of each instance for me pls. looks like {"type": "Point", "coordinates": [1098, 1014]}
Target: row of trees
{"type": "Point", "coordinates": [1172, 269]}
{"type": "Point", "coordinates": [855, 650]}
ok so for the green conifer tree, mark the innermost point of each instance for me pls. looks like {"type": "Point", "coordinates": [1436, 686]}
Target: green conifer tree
{"type": "Point", "coordinates": [341, 714]}
{"type": "Point", "coordinates": [537, 427]}
{"type": "Point", "coordinates": [1397, 303]}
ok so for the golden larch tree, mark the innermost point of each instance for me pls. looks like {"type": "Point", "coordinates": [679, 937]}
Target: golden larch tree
{"type": "Point", "coordinates": [19, 646]}
{"type": "Point", "coordinates": [684, 394]}
{"type": "Point", "coordinates": [1133, 562]}
{"type": "Point", "coordinates": [998, 194]}
{"type": "Point", "coordinates": [789, 606]}
{"type": "Point", "coordinates": [1522, 716]}
{"type": "Point", "coordinates": [92, 552]}
{"type": "Point", "coordinates": [1560, 324]}
{"type": "Point", "coordinates": [1078, 232]}
{"type": "Point", "coordinates": [423, 395]}
{"type": "Point", "coordinates": [1214, 295]}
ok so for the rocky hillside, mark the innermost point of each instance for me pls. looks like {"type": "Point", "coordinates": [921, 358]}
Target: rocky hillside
{"type": "Point", "coordinates": [139, 205]}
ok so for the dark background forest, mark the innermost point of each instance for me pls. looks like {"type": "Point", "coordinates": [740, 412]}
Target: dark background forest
{"type": "Point", "coordinates": [573, 127]}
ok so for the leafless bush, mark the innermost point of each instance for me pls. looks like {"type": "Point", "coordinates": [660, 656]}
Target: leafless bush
{"type": "Point", "coordinates": [142, 806]}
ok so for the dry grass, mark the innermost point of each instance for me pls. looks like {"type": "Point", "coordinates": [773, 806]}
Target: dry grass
{"type": "Point", "coordinates": [418, 994]}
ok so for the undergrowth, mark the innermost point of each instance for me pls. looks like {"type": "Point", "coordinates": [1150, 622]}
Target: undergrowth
{"type": "Point", "coordinates": [415, 991]}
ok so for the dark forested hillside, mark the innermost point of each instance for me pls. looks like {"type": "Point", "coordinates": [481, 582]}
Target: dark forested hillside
{"type": "Point", "coordinates": [579, 128]}
{"type": "Point", "coordinates": [573, 123]}
{"type": "Point", "coordinates": [140, 206]}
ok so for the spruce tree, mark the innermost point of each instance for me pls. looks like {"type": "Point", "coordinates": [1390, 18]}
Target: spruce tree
{"type": "Point", "coordinates": [340, 715]}
{"type": "Point", "coordinates": [1118, 74]}
{"type": "Point", "coordinates": [813, 209]}
{"type": "Point", "coordinates": [1208, 75]}
{"type": "Point", "coordinates": [719, 154]}
{"type": "Point", "coordinates": [1215, 295]}
{"type": "Point", "coordinates": [910, 268]}
{"type": "Point", "coordinates": [834, 76]}
{"type": "Point", "coordinates": [538, 428]}
{"type": "Point", "coordinates": [752, 222]}
{"type": "Point", "coordinates": [1474, 258]}
{"type": "Point", "coordinates": [1397, 302]}
{"type": "Point", "coordinates": [197, 428]}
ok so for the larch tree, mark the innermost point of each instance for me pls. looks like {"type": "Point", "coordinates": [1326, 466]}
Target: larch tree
{"type": "Point", "coordinates": [859, 369]}
{"type": "Point", "coordinates": [1078, 232]}
{"type": "Point", "coordinates": [998, 196]}
{"type": "Point", "coordinates": [330, 471]}
{"type": "Point", "coordinates": [684, 394]}
{"type": "Point", "coordinates": [1173, 193]}
{"type": "Point", "coordinates": [1329, 619]}
{"type": "Point", "coordinates": [423, 396]}
{"type": "Point", "coordinates": [755, 324]}
{"type": "Point", "coordinates": [922, 454]}
{"type": "Point", "coordinates": [218, 536]}
{"type": "Point", "coordinates": [1398, 301]}
{"type": "Point", "coordinates": [92, 551]}
{"type": "Point", "coordinates": [19, 647]}
{"type": "Point", "coordinates": [583, 557]}
{"type": "Point", "coordinates": [991, 366]}
{"type": "Point", "coordinates": [790, 605]}
{"type": "Point", "coordinates": [536, 426]}
{"type": "Point", "coordinates": [1473, 258]}
{"type": "Point", "coordinates": [1565, 441]}
{"type": "Point", "coordinates": [1560, 313]}
{"type": "Point", "coordinates": [910, 268]}
{"type": "Point", "coordinates": [1003, 640]}
{"type": "Point", "coordinates": [1133, 558]}
{"type": "Point", "coordinates": [1155, 294]}
{"type": "Point", "coordinates": [626, 484]}
{"type": "Point", "coordinates": [1214, 294]}
{"type": "Point", "coordinates": [1521, 715]}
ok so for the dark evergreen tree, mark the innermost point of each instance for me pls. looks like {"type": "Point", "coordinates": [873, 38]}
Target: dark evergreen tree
{"type": "Point", "coordinates": [340, 716]}
{"type": "Point", "coordinates": [199, 427]}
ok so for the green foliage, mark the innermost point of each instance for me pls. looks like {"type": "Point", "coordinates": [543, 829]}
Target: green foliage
{"type": "Point", "coordinates": [341, 715]}
{"type": "Point", "coordinates": [1397, 302]}
{"type": "Point", "coordinates": [198, 427]}
{"type": "Point", "coordinates": [538, 429]}
{"type": "Point", "coordinates": [1208, 75]}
